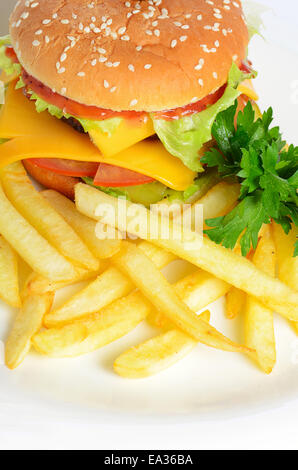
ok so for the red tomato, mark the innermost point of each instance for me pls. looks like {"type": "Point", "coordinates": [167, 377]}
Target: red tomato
{"type": "Point", "coordinates": [73, 107]}
{"type": "Point", "coordinates": [10, 53]}
{"type": "Point", "coordinates": [197, 107]}
{"type": "Point", "coordinates": [114, 176]}
{"type": "Point", "coordinates": [66, 167]}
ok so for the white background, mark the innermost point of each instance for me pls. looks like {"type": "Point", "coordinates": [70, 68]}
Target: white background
{"type": "Point", "coordinates": [271, 430]}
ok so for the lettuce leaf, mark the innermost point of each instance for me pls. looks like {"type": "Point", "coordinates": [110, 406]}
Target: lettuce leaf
{"type": "Point", "coordinates": [184, 137]}
{"type": "Point", "coordinates": [5, 40]}
{"type": "Point", "coordinates": [253, 12]}
{"type": "Point", "coordinates": [6, 64]}
{"type": "Point", "coordinates": [106, 126]}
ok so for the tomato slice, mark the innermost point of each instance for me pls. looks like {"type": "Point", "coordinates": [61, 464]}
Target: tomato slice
{"type": "Point", "coordinates": [73, 107]}
{"type": "Point", "coordinates": [114, 176]}
{"type": "Point", "coordinates": [66, 167]}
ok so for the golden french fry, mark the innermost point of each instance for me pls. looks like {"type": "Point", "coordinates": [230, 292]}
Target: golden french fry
{"type": "Point", "coordinates": [41, 215]}
{"type": "Point", "coordinates": [27, 323]}
{"type": "Point", "coordinates": [108, 287]}
{"type": "Point", "coordinates": [9, 279]}
{"type": "Point", "coordinates": [36, 284]}
{"type": "Point", "coordinates": [219, 200]}
{"type": "Point", "coordinates": [197, 290]}
{"type": "Point", "coordinates": [259, 327]}
{"type": "Point", "coordinates": [200, 289]}
{"type": "Point", "coordinates": [221, 262]}
{"type": "Point", "coordinates": [287, 263]}
{"type": "Point", "coordinates": [235, 302]}
{"type": "Point", "coordinates": [105, 289]}
{"type": "Point", "coordinates": [83, 226]}
{"type": "Point", "coordinates": [155, 287]}
{"type": "Point", "coordinates": [156, 354]}
{"type": "Point", "coordinates": [102, 328]}
{"type": "Point", "coordinates": [31, 246]}
{"type": "Point", "coordinates": [94, 332]}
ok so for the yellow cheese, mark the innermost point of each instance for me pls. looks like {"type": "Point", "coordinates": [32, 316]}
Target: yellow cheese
{"type": "Point", "coordinates": [36, 135]}
{"type": "Point", "coordinates": [247, 88]}
{"type": "Point", "coordinates": [126, 135]}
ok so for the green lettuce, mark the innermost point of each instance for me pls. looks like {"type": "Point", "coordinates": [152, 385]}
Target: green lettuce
{"type": "Point", "coordinates": [184, 137]}
{"type": "Point", "coordinates": [145, 194]}
{"type": "Point", "coordinates": [151, 193]}
{"type": "Point", "coordinates": [253, 12]}
{"type": "Point", "coordinates": [106, 126]}
{"type": "Point", "coordinates": [6, 64]}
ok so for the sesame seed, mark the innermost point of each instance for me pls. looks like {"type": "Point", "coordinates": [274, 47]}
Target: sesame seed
{"type": "Point", "coordinates": [131, 68]}
{"type": "Point", "coordinates": [63, 57]}
{"type": "Point", "coordinates": [122, 30]}
{"type": "Point", "coordinates": [215, 75]}
{"type": "Point", "coordinates": [109, 64]}
{"type": "Point", "coordinates": [199, 17]}
{"type": "Point", "coordinates": [38, 32]}
{"type": "Point", "coordinates": [147, 66]}
{"type": "Point", "coordinates": [177, 23]}
{"type": "Point", "coordinates": [93, 62]}
{"type": "Point", "coordinates": [35, 43]}
{"type": "Point", "coordinates": [183, 38]}
{"type": "Point", "coordinates": [116, 64]}
{"type": "Point", "coordinates": [106, 84]}
{"type": "Point", "coordinates": [25, 15]}
{"type": "Point", "coordinates": [133, 102]}
{"type": "Point", "coordinates": [200, 82]}
{"type": "Point", "coordinates": [47, 39]}
{"type": "Point", "coordinates": [157, 32]}
{"type": "Point", "coordinates": [114, 88]}
{"type": "Point", "coordinates": [62, 70]}
{"type": "Point", "coordinates": [65, 21]}
{"type": "Point", "coordinates": [46, 21]}
{"type": "Point", "coordinates": [185, 26]}
{"type": "Point", "coordinates": [174, 43]}
{"type": "Point", "coordinates": [55, 16]}
{"type": "Point", "coordinates": [34, 5]}
{"type": "Point", "coordinates": [81, 74]}
{"type": "Point", "coordinates": [139, 48]}
{"type": "Point", "coordinates": [63, 91]}
{"type": "Point", "coordinates": [102, 59]}
{"type": "Point", "coordinates": [125, 38]}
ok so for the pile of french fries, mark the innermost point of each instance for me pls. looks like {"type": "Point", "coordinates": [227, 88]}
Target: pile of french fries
{"type": "Point", "coordinates": [123, 283]}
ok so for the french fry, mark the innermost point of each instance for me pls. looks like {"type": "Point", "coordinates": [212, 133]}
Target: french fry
{"type": "Point", "coordinates": [46, 220]}
{"type": "Point", "coordinates": [259, 327]}
{"type": "Point", "coordinates": [219, 200]}
{"type": "Point", "coordinates": [36, 284]}
{"type": "Point", "coordinates": [156, 354]}
{"type": "Point", "coordinates": [27, 323]}
{"type": "Point", "coordinates": [287, 263]}
{"type": "Point", "coordinates": [105, 289]}
{"type": "Point", "coordinates": [31, 246]}
{"type": "Point", "coordinates": [83, 226]}
{"type": "Point", "coordinates": [221, 262]}
{"type": "Point", "coordinates": [92, 332]}
{"type": "Point", "coordinates": [96, 331]}
{"type": "Point", "coordinates": [235, 302]}
{"type": "Point", "coordinates": [155, 287]}
{"type": "Point", "coordinates": [108, 287]}
{"type": "Point", "coordinates": [9, 279]}
{"type": "Point", "coordinates": [200, 289]}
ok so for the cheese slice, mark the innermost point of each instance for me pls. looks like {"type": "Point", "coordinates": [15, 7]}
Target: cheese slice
{"type": "Point", "coordinates": [127, 134]}
{"type": "Point", "coordinates": [36, 135]}
{"type": "Point", "coordinates": [247, 88]}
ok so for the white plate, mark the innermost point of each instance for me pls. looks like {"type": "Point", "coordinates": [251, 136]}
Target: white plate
{"type": "Point", "coordinates": [206, 384]}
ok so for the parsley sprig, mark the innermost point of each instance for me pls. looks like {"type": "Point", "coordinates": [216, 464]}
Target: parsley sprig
{"type": "Point", "coordinates": [255, 154]}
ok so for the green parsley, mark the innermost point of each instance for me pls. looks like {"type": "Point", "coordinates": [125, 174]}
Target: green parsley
{"type": "Point", "coordinates": [254, 153]}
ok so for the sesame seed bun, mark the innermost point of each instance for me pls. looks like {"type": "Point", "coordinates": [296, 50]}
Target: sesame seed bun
{"type": "Point", "coordinates": [146, 55]}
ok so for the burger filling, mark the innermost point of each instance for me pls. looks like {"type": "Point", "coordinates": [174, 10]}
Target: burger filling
{"type": "Point", "coordinates": [183, 132]}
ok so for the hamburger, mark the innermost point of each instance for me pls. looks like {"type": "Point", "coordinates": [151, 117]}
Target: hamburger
{"type": "Point", "coordinates": [121, 94]}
